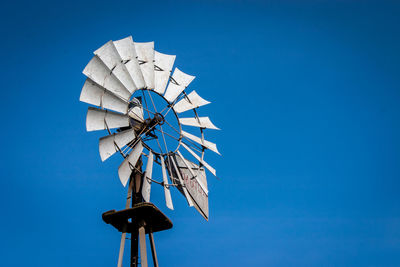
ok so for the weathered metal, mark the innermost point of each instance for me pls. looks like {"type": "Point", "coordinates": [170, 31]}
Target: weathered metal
{"type": "Point", "coordinates": [202, 122]}
{"type": "Point", "coordinates": [163, 64]}
{"type": "Point", "coordinates": [119, 78]}
{"type": "Point", "coordinates": [179, 81]}
{"type": "Point", "coordinates": [192, 184]}
{"type": "Point", "coordinates": [191, 101]}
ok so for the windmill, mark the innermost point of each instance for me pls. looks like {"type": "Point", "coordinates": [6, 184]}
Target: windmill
{"type": "Point", "coordinates": [149, 117]}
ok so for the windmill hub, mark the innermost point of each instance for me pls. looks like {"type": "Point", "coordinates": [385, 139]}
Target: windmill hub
{"type": "Point", "coordinates": [158, 118]}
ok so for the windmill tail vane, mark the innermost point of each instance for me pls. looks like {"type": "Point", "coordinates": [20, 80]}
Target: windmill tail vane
{"type": "Point", "coordinates": [150, 119]}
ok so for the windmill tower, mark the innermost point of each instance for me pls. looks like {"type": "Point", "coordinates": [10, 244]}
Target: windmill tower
{"type": "Point", "coordinates": [139, 104]}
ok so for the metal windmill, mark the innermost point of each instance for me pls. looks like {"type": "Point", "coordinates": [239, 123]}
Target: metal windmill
{"type": "Point", "coordinates": [139, 102]}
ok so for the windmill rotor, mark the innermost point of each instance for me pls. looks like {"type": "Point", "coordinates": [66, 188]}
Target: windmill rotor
{"type": "Point", "coordinates": [144, 105]}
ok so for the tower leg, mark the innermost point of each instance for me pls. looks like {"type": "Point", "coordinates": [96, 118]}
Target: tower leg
{"type": "Point", "coordinates": [134, 249]}
{"type": "Point", "coordinates": [136, 178]}
{"type": "Point", "coordinates": [121, 249]}
{"type": "Point", "coordinates": [143, 251]}
{"type": "Point", "coordinates": [123, 236]}
{"type": "Point", "coordinates": [153, 250]}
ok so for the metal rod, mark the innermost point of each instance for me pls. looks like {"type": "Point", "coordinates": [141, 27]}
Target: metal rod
{"type": "Point", "coordinates": [153, 250]}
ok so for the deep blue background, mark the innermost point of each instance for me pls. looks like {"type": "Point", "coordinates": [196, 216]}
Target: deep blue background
{"type": "Point", "coordinates": [306, 93]}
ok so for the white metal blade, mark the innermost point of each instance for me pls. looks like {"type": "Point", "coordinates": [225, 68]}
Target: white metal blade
{"type": "Point", "coordinates": [201, 183]}
{"type": "Point", "coordinates": [191, 101]}
{"type": "Point", "coordinates": [196, 185]}
{"type": "Point", "coordinates": [108, 145]}
{"type": "Point", "coordinates": [162, 70]}
{"type": "Point", "coordinates": [211, 169]}
{"type": "Point", "coordinates": [178, 83]}
{"type": "Point", "coordinates": [136, 111]}
{"type": "Point", "coordinates": [145, 54]}
{"type": "Point", "coordinates": [98, 72]}
{"type": "Point", "coordinates": [167, 192]}
{"type": "Point", "coordinates": [110, 57]}
{"type": "Point", "coordinates": [146, 187]}
{"type": "Point", "coordinates": [202, 122]}
{"type": "Point", "coordinates": [126, 167]}
{"type": "Point", "coordinates": [188, 198]}
{"type": "Point", "coordinates": [142, 244]}
{"type": "Point", "coordinates": [126, 49]}
{"type": "Point", "coordinates": [98, 119]}
{"type": "Point", "coordinates": [94, 94]}
{"type": "Point", "coordinates": [204, 143]}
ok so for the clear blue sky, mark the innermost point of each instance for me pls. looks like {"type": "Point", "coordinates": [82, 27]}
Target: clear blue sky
{"type": "Point", "coordinates": [306, 93]}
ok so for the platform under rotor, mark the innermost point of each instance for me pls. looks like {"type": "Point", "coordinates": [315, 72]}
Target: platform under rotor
{"type": "Point", "coordinates": [129, 220]}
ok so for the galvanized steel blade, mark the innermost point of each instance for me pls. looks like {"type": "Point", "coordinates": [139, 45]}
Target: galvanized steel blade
{"type": "Point", "coordinates": [136, 111]}
{"type": "Point", "coordinates": [94, 94]}
{"type": "Point", "coordinates": [163, 64]}
{"type": "Point", "coordinates": [108, 145]}
{"type": "Point", "coordinates": [146, 187]}
{"type": "Point", "coordinates": [126, 50]}
{"type": "Point", "coordinates": [202, 122]}
{"type": "Point", "coordinates": [191, 101]}
{"type": "Point", "coordinates": [204, 143]}
{"type": "Point", "coordinates": [211, 169]}
{"type": "Point", "coordinates": [187, 196]}
{"type": "Point", "coordinates": [142, 244]}
{"type": "Point", "coordinates": [177, 84]}
{"type": "Point", "coordinates": [127, 166]}
{"type": "Point", "coordinates": [110, 57]}
{"type": "Point", "coordinates": [98, 119]}
{"type": "Point", "coordinates": [98, 72]}
{"type": "Point", "coordinates": [202, 185]}
{"type": "Point", "coordinates": [168, 199]}
{"type": "Point", "coordinates": [145, 54]}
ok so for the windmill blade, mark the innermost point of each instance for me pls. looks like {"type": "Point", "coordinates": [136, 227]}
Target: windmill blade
{"type": "Point", "coordinates": [191, 101]}
{"type": "Point", "coordinates": [126, 167]}
{"type": "Point", "coordinates": [202, 185]}
{"type": "Point", "coordinates": [167, 192]}
{"type": "Point", "coordinates": [179, 81]}
{"type": "Point", "coordinates": [98, 72]}
{"type": "Point", "coordinates": [146, 187]}
{"type": "Point", "coordinates": [110, 57]}
{"type": "Point", "coordinates": [98, 119]}
{"type": "Point", "coordinates": [204, 143]}
{"type": "Point", "coordinates": [126, 50]}
{"type": "Point", "coordinates": [205, 164]}
{"type": "Point", "coordinates": [136, 110]}
{"type": "Point", "coordinates": [188, 198]}
{"type": "Point", "coordinates": [142, 244]}
{"type": "Point", "coordinates": [202, 122]}
{"type": "Point", "coordinates": [94, 94]}
{"type": "Point", "coordinates": [145, 54]}
{"type": "Point", "coordinates": [162, 70]}
{"type": "Point", "coordinates": [110, 144]}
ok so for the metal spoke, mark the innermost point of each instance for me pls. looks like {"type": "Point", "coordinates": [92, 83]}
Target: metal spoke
{"type": "Point", "coordinates": [173, 127]}
{"type": "Point", "coordinates": [165, 143]}
{"type": "Point", "coordinates": [168, 134]}
{"type": "Point", "coordinates": [180, 134]}
{"type": "Point", "coordinates": [171, 105]}
{"type": "Point", "coordinates": [159, 146]}
{"type": "Point", "coordinates": [155, 109]}
{"type": "Point", "coordinates": [145, 102]}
